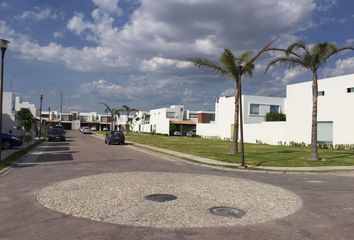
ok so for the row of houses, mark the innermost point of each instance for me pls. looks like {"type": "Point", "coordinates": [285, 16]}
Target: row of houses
{"type": "Point", "coordinates": [335, 116]}
{"type": "Point", "coordinates": [162, 120]}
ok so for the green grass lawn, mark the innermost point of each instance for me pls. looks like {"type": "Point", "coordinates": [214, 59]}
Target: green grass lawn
{"type": "Point", "coordinates": [255, 154]}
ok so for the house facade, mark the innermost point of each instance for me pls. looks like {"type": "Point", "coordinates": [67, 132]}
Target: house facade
{"type": "Point", "coordinates": [335, 115]}
{"type": "Point", "coordinates": [10, 105]}
{"type": "Point", "coordinates": [254, 108]}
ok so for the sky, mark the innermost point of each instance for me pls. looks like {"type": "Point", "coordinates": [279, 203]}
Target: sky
{"type": "Point", "coordinates": [135, 52]}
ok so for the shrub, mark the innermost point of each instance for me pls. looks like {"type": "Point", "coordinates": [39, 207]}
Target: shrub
{"type": "Point", "coordinates": [275, 117]}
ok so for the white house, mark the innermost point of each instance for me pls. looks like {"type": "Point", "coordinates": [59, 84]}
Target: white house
{"type": "Point", "coordinates": [10, 105]}
{"type": "Point", "coordinates": [335, 114]}
{"type": "Point", "coordinates": [160, 118]}
{"type": "Point", "coordinates": [21, 104]}
{"type": "Point", "coordinates": [141, 122]}
{"type": "Point", "coordinates": [254, 109]}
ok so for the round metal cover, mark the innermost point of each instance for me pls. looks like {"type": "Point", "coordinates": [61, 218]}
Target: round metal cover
{"type": "Point", "coordinates": [227, 212]}
{"type": "Point", "coordinates": [160, 197]}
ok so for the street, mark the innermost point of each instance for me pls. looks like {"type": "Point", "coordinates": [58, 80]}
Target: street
{"type": "Point", "coordinates": [50, 196]}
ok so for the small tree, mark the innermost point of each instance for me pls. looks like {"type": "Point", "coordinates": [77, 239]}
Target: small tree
{"type": "Point", "coordinates": [26, 121]}
{"type": "Point", "coordinates": [275, 117]}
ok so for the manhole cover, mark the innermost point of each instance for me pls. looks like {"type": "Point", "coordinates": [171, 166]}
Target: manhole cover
{"type": "Point", "coordinates": [227, 212]}
{"type": "Point", "coordinates": [160, 197]}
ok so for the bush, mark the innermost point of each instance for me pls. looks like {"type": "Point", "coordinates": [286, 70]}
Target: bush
{"type": "Point", "coordinates": [275, 117]}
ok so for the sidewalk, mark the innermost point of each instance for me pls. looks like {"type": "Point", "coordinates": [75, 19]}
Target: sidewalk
{"type": "Point", "coordinates": [251, 167]}
{"type": "Point", "coordinates": [8, 152]}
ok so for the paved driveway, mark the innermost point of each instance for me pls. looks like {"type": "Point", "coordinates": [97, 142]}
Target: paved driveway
{"type": "Point", "coordinates": [326, 212]}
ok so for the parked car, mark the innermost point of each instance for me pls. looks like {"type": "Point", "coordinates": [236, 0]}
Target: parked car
{"type": "Point", "coordinates": [86, 130]}
{"type": "Point", "coordinates": [115, 137]}
{"type": "Point", "coordinates": [105, 129]}
{"type": "Point", "coordinates": [93, 128]}
{"type": "Point", "coordinates": [56, 134]}
{"type": "Point", "coordinates": [192, 133]}
{"type": "Point", "coordinates": [177, 133]}
{"type": "Point", "coordinates": [10, 141]}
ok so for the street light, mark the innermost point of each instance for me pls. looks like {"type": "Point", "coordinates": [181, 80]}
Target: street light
{"type": "Point", "coordinates": [40, 117]}
{"type": "Point", "coordinates": [4, 44]}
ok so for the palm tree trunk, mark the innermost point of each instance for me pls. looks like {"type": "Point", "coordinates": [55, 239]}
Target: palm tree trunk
{"type": "Point", "coordinates": [314, 150]}
{"type": "Point", "coordinates": [243, 164]}
{"type": "Point", "coordinates": [236, 114]}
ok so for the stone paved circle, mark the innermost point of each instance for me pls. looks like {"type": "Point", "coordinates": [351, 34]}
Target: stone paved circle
{"type": "Point", "coordinates": [119, 198]}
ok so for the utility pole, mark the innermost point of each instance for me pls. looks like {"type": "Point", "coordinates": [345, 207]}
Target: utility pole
{"type": "Point", "coordinates": [61, 102]}
{"type": "Point", "coordinates": [40, 117]}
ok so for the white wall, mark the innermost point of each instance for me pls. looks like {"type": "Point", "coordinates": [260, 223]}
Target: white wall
{"type": "Point", "coordinates": [159, 122]}
{"type": "Point", "coordinates": [8, 112]}
{"type": "Point", "coordinates": [20, 104]}
{"type": "Point", "coordinates": [267, 132]}
{"type": "Point", "coordinates": [336, 105]}
{"type": "Point", "coordinates": [214, 130]}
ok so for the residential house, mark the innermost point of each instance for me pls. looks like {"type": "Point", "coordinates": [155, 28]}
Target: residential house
{"type": "Point", "coordinates": [335, 115]}
{"type": "Point", "coordinates": [254, 108]}
{"type": "Point", "coordinates": [10, 105]}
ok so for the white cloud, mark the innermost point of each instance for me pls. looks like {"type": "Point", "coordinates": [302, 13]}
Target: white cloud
{"type": "Point", "coordinates": [157, 63]}
{"type": "Point", "coordinates": [101, 87]}
{"type": "Point", "coordinates": [58, 34]}
{"type": "Point", "coordinates": [293, 74]}
{"type": "Point", "coordinates": [228, 92]}
{"type": "Point", "coordinates": [109, 6]}
{"type": "Point", "coordinates": [38, 14]}
{"type": "Point", "coordinates": [342, 66]}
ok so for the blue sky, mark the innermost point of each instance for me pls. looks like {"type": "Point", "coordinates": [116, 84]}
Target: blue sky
{"type": "Point", "coordinates": [134, 51]}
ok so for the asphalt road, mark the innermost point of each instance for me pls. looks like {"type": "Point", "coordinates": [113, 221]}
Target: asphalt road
{"type": "Point", "coordinates": [327, 210]}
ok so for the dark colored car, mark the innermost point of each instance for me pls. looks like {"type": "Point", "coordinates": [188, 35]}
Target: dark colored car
{"type": "Point", "coordinates": [115, 137]}
{"type": "Point", "coordinates": [10, 141]}
{"type": "Point", "coordinates": [56, 134]}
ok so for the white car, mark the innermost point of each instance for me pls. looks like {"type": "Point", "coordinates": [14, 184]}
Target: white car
{"type": "Point", "coordinates": [93, 128]}
{"type": "Point", "coordinates": [86, 130]}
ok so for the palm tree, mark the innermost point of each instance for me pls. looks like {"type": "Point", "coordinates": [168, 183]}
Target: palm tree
{"type": "Point", "coordinates": [311, 57]}
{"type": "Point", "coordinates": [127, 110]}
{"type": "Point", "coordinates": [114, 113]}
{"type": "Point", "coordinates": [234, 67]}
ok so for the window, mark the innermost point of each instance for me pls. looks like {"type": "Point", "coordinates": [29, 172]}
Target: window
{"type": "Point", "coordinates": [254, 109]}
{"type": "Point", "coordinates": [350, 90]}
{"type": "Point", "coordinates": [170, 114]}
{"type": "Point", "coordinates": [64, 118]}
{"type": "Point", "coordinates": [321, 93]}
{"type": "Point", "coordinates": [274, 108]}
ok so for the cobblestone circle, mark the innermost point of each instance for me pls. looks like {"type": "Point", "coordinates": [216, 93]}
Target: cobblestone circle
{"type": "Point", "coordinates": [119, 198]}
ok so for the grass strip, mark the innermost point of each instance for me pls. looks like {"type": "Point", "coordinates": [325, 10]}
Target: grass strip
{"type": "Point", "coordinates": [255, 154]}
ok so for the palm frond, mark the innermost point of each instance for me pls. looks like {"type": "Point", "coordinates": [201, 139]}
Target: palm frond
{"type": "Point", "coordinates": [290, 62]}
{"type": "Point", "coordinates": [208, 65]}
{"type": "Point", "coordinates": [299, 48]}
{"type": "Point", "coordinates": [228, 63]}
{"type": "Point", "coordinates": [108, 109]}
